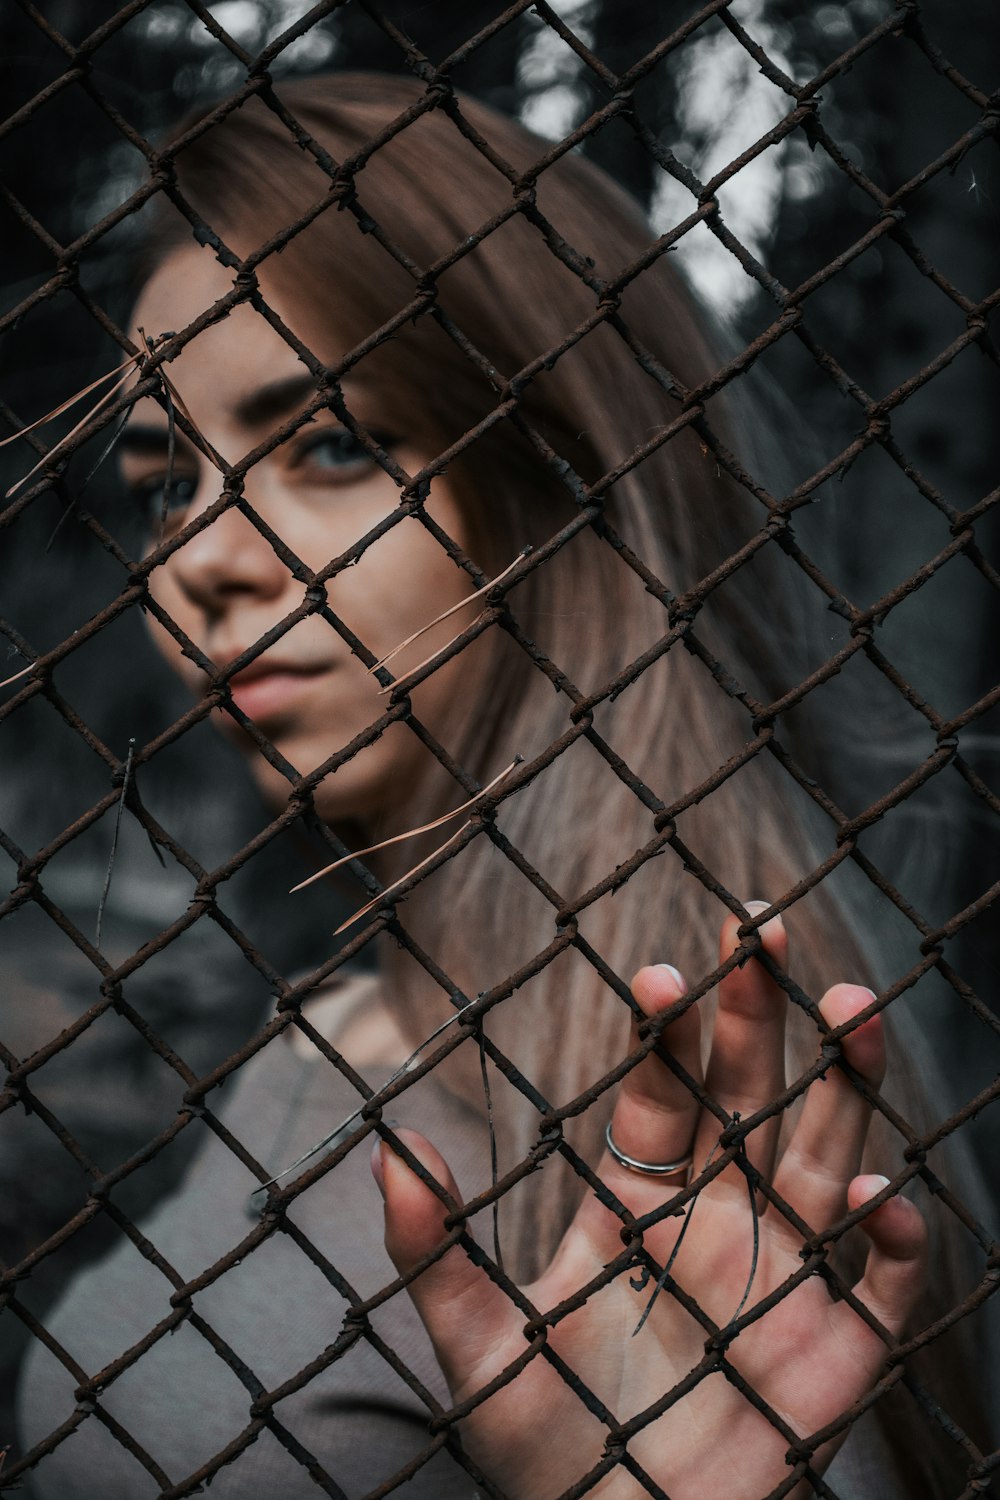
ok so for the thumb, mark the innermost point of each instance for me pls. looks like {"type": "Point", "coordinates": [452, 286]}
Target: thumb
{"type": "Point", "coordinates": [465, 1314]}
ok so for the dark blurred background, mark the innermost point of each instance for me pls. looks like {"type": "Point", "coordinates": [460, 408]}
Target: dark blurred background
{"type": "Point", "coordinates": [882, 318]}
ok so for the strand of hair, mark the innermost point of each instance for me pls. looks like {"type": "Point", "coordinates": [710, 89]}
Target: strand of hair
{"type": "Point", "coordinates": [398, 838]}
{"type": "Point", "coordinates": [452, 610]}
{"type": "Point", "coordinates": [57, 411]}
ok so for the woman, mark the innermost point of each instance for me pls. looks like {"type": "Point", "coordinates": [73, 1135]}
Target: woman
{"type": "Point", "coordinates": [336, 385]}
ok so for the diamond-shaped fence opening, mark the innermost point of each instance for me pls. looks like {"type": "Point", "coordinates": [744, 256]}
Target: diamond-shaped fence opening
{"type": "Point", "coordinates": [562, 615]}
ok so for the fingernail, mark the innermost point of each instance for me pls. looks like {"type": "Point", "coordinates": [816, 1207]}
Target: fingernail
{"type": "Point", "coordinates": [377, 1167]}
{"type": "Point", "coordinates": [678, 977]}
{"type": "Point", "coordinates": [874, 1184]}
{"type": "Point", "coordinates": [756, 907]}
{"type": "Point", "coordinates": [772, 925]}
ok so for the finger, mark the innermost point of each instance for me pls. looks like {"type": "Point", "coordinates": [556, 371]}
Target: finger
{"type": "Point", "coordinates": [826, 1147]}
{"type": "Point", "coordinates": [464, 1313]}
{"type": "Point", "coordinates": [897, 1261]}
{"type": "Point", "coordinates": [655, 1113]}
{"type": "Point", "coordinates": [746, 1068]}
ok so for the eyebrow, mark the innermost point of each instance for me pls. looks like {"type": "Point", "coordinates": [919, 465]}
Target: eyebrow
{"type": "Point", "coordinates": [265, 405]}
{"type": "Point", "coordinates": [278, 399]}
{"type": "Point", "coordinates": [145, 439]}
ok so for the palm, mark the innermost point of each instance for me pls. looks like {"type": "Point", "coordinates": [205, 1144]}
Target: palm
{"type": "Point", "coordinates": [689, 1426]}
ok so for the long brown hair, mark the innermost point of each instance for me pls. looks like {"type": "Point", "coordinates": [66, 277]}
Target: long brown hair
{"type": "Point", "coordinates": [586, 610]}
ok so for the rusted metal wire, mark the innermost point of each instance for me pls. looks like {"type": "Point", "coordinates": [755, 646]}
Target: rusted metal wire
{"type": "Point", "coordinates": [897, 25]}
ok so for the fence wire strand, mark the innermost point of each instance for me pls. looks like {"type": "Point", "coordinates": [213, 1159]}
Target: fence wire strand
{"type": "Point", "coordinates": [46, 464]}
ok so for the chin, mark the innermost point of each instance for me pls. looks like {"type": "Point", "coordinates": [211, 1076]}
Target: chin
{"type": "Point", "coordinates": [357, 793]}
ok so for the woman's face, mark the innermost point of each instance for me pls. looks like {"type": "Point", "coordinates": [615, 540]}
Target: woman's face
{"type": "Point", "coordinates": [319, 492]}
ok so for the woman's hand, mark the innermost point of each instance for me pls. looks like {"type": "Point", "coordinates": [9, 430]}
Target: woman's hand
{"type": "Point", "coordinates": [808, 1357]}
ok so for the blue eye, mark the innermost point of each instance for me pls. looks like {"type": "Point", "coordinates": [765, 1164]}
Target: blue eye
{"type": "Point", "coordinates": [335, 449]}
{"type": "Point", "coordinates": [337, 452]}
{"type": "Point", "coordinates": [155, 499]}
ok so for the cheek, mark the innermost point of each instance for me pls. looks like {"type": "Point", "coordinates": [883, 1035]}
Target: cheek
{"type": "Point", "coordinates": [172, 601]}
{"type": "Point", "coordinates": [402, 583]}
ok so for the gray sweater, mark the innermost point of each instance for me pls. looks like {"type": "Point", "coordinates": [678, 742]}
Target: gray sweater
{"type": "Point", "coordinates": [275, 1311]}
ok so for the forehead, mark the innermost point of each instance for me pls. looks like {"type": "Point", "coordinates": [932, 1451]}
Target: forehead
{"type": "Point", "coordinates": [227, 361]}
{"type": "Point", "coordinates": [223, 367]}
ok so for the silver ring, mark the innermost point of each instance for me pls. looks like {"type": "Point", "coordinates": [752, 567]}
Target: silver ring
{"type": "Point", "coordinates": [646, 1168]}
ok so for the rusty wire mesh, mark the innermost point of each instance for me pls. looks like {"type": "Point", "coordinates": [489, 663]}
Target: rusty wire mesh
{"type": "Point", "coordinates": [100, 1188]}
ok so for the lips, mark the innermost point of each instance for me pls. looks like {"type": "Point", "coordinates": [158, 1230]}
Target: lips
{"type": "Point", "coordinates": [268, 690]}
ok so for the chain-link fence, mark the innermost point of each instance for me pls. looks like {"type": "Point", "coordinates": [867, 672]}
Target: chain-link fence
{"type": "Point", "coordinates": [547, 622]}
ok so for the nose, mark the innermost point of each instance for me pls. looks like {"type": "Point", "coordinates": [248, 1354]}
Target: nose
{"type": "Point", "coordinates": [228, 562]}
